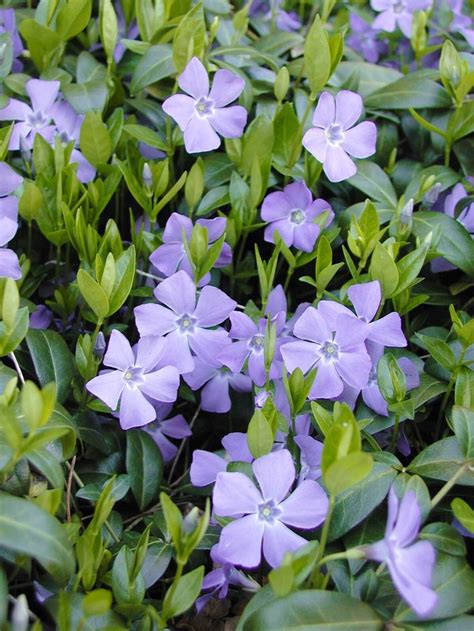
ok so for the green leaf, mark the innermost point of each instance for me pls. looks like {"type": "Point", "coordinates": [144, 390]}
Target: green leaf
{"type": "Point", "coordinates": [87, 96]}
{"type": "Point", "coordinates": [356, 503]}
{"type": "Point", "coordinates": [384, 269]}
{"type": "Point", "coordinates": [409, 91]}
{"type": "Point", "coordinates": [317, 57]}
{"type": "Point", "coordinates": [347, 472]}
{"type": "Point", "coordinates": [73, 18]}
{"type": "Point", "coordinates": [108, 28]}
{"type": "Point", "coordinates": [52, 359]}
{"type": "Point", "coordinates": [27, 529]}
{"type": "Point", "coordinates": [311, 610]}
{"type": "Point", "coordinates": [374, 182]}
{"type": "Point", "coordinates": [146, 135]}
{"type": "Point", "coordinates": [124, 277]}
{"type": "Point", "coordinates": [45, 462]}
{"type": "Point", "coordinates": [93, 294]}
{"type": "Point", "coordinates": [455, 242]}
{"type": "Point", "coordinates": [439, 350]}
{"type": "Point", "coordinates": [178, 600]}
{"type": "Point", "coordinates": [156, 64]}
{"type": "Point", "coordinates": [463, 424]}
{"type": "Point", "coordinates": [259, 435]}
{"type": "Point", "coordinates": [287, 131]}
{"type": "Point", "coordinates": [145, 467]}
{"type": "Point", "coordinates": [444, 538]}
{"type": "Point", "coordinates": [440, 461]}
{"type": "Point", "coordinates": [190, 37]}
{"type": "Point", "coordinates": [42, 43]}
{"type": "Point", "coordinates": [95, 140]}
{"type": "Point", "coordinates": [463, 513]}
{"type": "Point", "coordinates": [453, 581]}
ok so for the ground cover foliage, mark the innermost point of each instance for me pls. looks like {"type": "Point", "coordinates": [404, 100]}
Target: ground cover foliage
{"type": "Point", "coordinates": [236, 270]}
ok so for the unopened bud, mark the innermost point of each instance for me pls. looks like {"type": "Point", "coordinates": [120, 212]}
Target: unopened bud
{"type": "Point", "coordinates": [406, 212]}
{"type": "Point", "coordinates": [147, 175]}
{"type": "Point", "coordinates": [432, 194]}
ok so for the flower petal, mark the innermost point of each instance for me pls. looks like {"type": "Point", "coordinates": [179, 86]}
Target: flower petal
{"type": "Point", "coordinates": [162, 384]}
{"type": "Point", "coordinates": [42, 94]}
{"type": "Point", "coordinates": [325, 112]}
{"type": "Point", "coordinates": [306, 507]}
{"type": "Point", "coordinates": [230, 121]}
{"type": "Point", "coordinates": [337, 165]}
{"type": "Point", "coordinates": [194, 79]}
{"type": "Point", "coordinates": [178, 293]}
{"type": "Point", "coordinates": [275, 474]}
{"type": "Point", "coordinates": [226, 87]}
{"type": "Point", "coordinates": [360, 140]}
{"type": "Point", "coordinates": [235, 494]}
{"type": "Point", "coordinates": [213, 307]}
{"type": "Point", "coordinates": [181, 108]}
{"type": "Point", "coordinates": [107, 387]}
{"type": "Point", "coordinates": [278, 540]}
{"type": "Point", "coordinates": [119, 352]}
{"type": "Point", "coordinates": [152, 319]}
{"type": "Point", "coordinates": [348, 108]}
{"type": "Point", "coordinates": [199, 136]}
{"type": "Point", "coordinates": [205, 467]}
{"type": "Point", "coordinates": [316, 143]}
{"type": "Point", "coordinates": [135, 410]}
{"type": "Point", "coordinates": [298, 354]}
{"type": "Point", "coordinates": [366, 299]}
{"type": "Point", "coordinates": [241, 541]}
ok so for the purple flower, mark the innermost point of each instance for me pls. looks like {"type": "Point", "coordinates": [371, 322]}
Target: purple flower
{"type": "Point", "coordinates": [185, 323]}
{"type": "Point", "coordinates": [293, 213]}
{"type": "Point", "coordinates": [68, 127]}
{"type": "Point", "coordinates": [204, 113]}
{"type": "Point", "coordinates": [311, 451]}
{"type": "Point", "coordinates": [140, 373]}
{"type": "Point", "coordinates": [41, 318]}
{"type": "Point", "coordinates": [461, 23]}
{"type": "Point", "coordinates": [363, 40]}
{"type": "Point", "coordinates": [124, 32]}
{"type": "Point", "coordinates": [35, 119]}
{"type": "Point", "coordinates": [220, 578]}
{"type": "Point", "coordinates": [172, 257]}
{"type": "Point", "coordinates": [206, 465]}
{"type": "Point", "coordinates": [336, 348]}
{"type": "Point", "coordinates": [465, 217]}
{"type": "Point", "coordinates": [250, 345]}
{"type": "Point", "coordinates": [395, 13]}
{"type": "Point", "coordinates": [333, 136]}
{"type": "Point", "coordinates": [174, 427]}
{"type": "Point", "coordinates": [8, 25]}
{"type": "Point", "coordinates": [410, 566]}
{"type": "Point", "coordinates": [9, 182]}
{"type": "Point", "coordinates": [262, 514]}
{"type": "Point", "coordinates": [216, 380]}
{"type": "Point", "coordinates": [366, 298]}
{"type": "Point", "coordinates": [284, 21]}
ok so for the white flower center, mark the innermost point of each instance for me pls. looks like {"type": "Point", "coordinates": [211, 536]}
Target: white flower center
{"type": "Point", "coordinates": [37, 119]}
{"type": "Point", "coordinates": [334, 135]}
{"type": "Point", "coordinates": [256, 343]}
{"type": "Point", "coordinates": [330, 351]}
{"type": "Point", "coordinates": [297, 216]}
{"type": "Point", "coordinates": [268, 511]}
{"type": "Point", "coordinates": [204, 107]}
{"type": "Point", "coordinates": [186, 323]}
{"type": "Point", "coordinates": [399, 6]}
{"type": "Point", "coordinates": [133, 377]}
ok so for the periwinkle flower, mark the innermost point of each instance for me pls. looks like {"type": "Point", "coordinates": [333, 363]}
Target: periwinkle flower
{"type": "Point", "coordinates": [395, 13]}
{"type": "Point", "coordinates": [250, 344]}
{"type": "Point", "coordinates": [185, 322]}
{"type": "Point", "coordinates": [269, 10]}
{"type": "Point", "coordinates": [35, 119]}
{"type": "Point", "coordinates": [465, 217]}
{"type": "Point", "coordinates": [164, 428]}
{"type": "Point", "coordinates": [68, 128]}
{"type": "Point", "coordinates": [139, 374]}
{"type": "Point", "coordinates": [293, 212]}
{"type": "Point", "coordinates": [206, 465]}
{"type": "Point", "coordinates": [9, 182]}
{"type": "Point", "coordinates": [8, 25]}
{"type": "Point", "coordinates": [203, 115]}
{"type": "Point", "coordinates": [262, 515]}
{"type": "Point", "coordinates": [216, 379]}
{"type": "Point", "coordinates": [362, 39]}
{"type": "Point", "coordinates": [171, 256]}
{"type": "Point", "coordinates": [410, 564]}
{"type": "Point", "coordinates": [461, 23]}
{"type": "Point", "coordinates": [336, 348]}
{"type": "Point", "coordinates": [334, 137]}
{"type": "Point", "coordinates": [366, 298]}
{"type": "Point", "coordinates": [41, 317]}
{"type": "Point", "coordinates": [221, 578]}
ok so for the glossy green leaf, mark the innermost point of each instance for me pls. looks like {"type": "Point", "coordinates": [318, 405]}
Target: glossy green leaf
{"type": "Point", "coordinates": [409, 91]}
{"type": "Point", "coordinates": [156, 64]}
{"type": "Point", "coordinates": [187, 590]}
{"type": "Point", "coordinates": [441, 460]}
{"type": "Point", "coordinates": [144, 466]}
{"type": "Point", "coordinates": [52, 359]}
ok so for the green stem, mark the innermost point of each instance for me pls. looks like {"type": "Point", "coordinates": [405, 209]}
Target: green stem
{"type": "Point", "coordinates": [449, 485]}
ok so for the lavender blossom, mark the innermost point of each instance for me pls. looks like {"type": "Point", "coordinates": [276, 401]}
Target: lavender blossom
{"type": "Point", "coordinates": [221, 578]}
{"type": "Point", "coordinates": [293, 213]}
{"type": "Point", "coordinates": [334, 136]}
{"type": "Point", "coordinates": [262, 514]}
{"type": "Point", "coordinates": [185, 323]}
{"type": "Point", "coordinates": [172, 257]}
{"type": "Point", "coordinates": [35, 119]}
{"type": "Point", "coordinates": [271, 9]}
{"type": "Point", "coordinates": [140, 374]}
{"type": "Point", "coordinates": [125, 31]}
{"type": "Point", "coordinates": [461, 23]}
{"type": "Point", "coordinates": [249, 345]}
{"type": "Point", "coordinates": [68, 127]}
{"type": "Point", "coordinates": [206, 464]}
{"type": "Point", "coordinates": [395, 13]}
{"type": "Point", "coordinates": [410, 564]}
{"type": "Point", "coordinates": [9, 182]}
{"type": "Point", "coordinates": [8, 25]}
{"type": "Point", "coordinates": [41, 318]}
{"type": "Point", "coordinates": [335, 348]}
{"type": "Point", "coordinates": [174, 427]}
{"type": "Point", "coordinates": [204, 112]}
{"type": "Point", "coordinates": [363, 40]}
{"type": "Point", "coordinates": [216, 379]}
{"type": "Point", "coordinates": [465, 217]}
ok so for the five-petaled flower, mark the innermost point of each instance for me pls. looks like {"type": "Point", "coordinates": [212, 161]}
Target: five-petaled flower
{"type": "Point", "coordinates": [262, 514]}
{"type": "Point", "coordinates": [334, 136]}
{"type": "Point", "coordinates": [410, 564]}
{"type": "Point", "coordinates": [395, 13]}
{"type": "Point", "coordinates": [203, 114]}
{"type": "Point", "coordinates": [140, 373]}
{"type": "Point", "coordinates": [293, 213]}
{"type": "Point", "coordinates": [9, 182]}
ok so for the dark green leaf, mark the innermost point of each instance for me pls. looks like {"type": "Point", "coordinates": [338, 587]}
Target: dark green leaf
{"type": "Point", "coordinates": [144, 466]}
